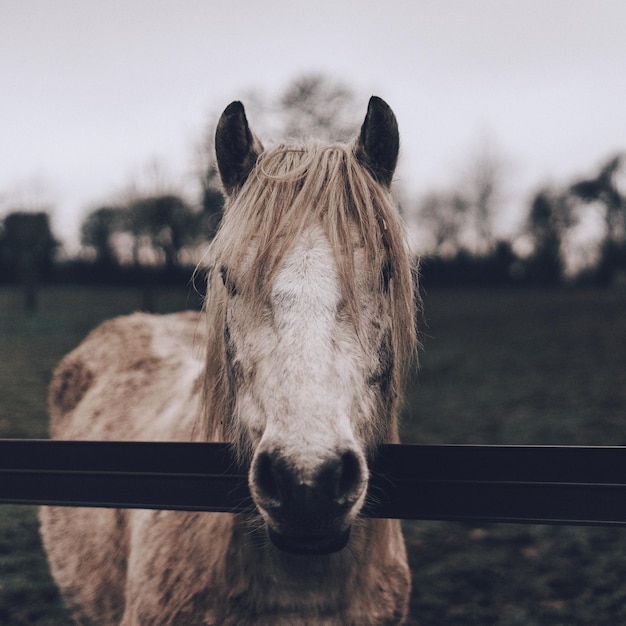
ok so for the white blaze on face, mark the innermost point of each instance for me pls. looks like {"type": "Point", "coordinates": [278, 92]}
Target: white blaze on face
{"type": "Point", "coordinates": [307, 393]}
{"type": "Point", "coordinates": [309, 388]}
{"type": "Point", "coordinates": [296, 380]}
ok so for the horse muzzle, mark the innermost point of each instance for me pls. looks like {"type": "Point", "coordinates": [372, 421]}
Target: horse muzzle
{"type": "Point", "coordinates": [308, 512]}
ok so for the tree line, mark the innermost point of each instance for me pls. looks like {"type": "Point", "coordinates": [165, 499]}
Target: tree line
{"type": "Point", "coordinates": [152, 237]}
{"type": "Point", "coordinates": [569, 234]}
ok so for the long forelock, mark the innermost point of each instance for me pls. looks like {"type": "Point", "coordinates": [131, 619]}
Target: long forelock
{"type": "Point", "coordinates": [291, 188]}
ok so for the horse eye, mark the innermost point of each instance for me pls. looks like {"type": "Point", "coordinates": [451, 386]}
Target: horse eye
{"type": "Point", "coordinates": [227, 280]}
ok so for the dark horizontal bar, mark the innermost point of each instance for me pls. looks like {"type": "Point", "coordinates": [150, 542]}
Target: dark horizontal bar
{"type": "Point", "coordinates": [522, 484]}
{"type": "Point", "coordinates": [156, 475]}
{"type": "Point", "coordinates": [534, 484]}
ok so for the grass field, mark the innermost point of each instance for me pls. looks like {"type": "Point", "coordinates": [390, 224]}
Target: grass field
{"type": "Point", "coordinates": [513, 367]}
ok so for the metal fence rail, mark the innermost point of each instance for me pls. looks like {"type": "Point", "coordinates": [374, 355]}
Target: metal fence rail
{"type": "Point", "coordinates": [529, 484]}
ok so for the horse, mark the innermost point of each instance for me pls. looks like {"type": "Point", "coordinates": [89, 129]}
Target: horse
{"type": "Point", "coordinates": [298, 359]}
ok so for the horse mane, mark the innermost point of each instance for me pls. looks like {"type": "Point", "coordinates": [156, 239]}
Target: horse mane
{"type": "Point", "coordinates": [291, 188]}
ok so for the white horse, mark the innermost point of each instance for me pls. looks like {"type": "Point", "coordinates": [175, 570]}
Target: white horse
{"type": "Point", "coordinates": [309, 327]}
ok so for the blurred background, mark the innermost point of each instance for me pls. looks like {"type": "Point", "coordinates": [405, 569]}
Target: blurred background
{"type": "Point", "coordinates": [512, 182]}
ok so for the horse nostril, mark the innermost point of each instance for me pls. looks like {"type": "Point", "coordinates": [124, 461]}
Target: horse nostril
{"type": "Point", "coordinates": [267, 478]}
{"type": "Point", "coordinates": [351, 476]}
{"type": "Point", "coordinates": [342, 477]}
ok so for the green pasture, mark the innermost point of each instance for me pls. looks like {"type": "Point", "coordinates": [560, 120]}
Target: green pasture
{"type": "Point", "coordinates": [511, 367]}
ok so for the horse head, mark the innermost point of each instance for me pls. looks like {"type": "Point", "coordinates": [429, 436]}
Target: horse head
{"type": "Point", "coordinates": [310, 300]}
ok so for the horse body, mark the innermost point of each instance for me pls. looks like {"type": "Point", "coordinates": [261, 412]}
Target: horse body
{"type": "Point", "coordinates": [298, 360]}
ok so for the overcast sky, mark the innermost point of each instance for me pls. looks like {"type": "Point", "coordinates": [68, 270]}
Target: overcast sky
{"type": "Point", "coordinates": [91, 91]}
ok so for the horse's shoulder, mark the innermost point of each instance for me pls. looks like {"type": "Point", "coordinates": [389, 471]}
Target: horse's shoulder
{"type": "Point", "coordinates": [128, 348]}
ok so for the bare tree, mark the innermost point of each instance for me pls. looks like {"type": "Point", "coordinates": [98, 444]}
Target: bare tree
{"type": "Point", "coordinates": [482, 187]}
{"type": "Point", "coordinates": [549, 220]}
{"type": "Point", "coordinates": [315, 105]}
{"type": "Point", "coordinates": [443, 215]}
{"type": "Point", "coordinates": [607, 188]}
{"type": "Point", "coordinates": [463, 217]}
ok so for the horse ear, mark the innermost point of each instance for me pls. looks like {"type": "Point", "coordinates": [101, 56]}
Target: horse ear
{"type": "Point", "coordinates": [236, 147]}
{"type": "Point", "coordinates": [379, 141]}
